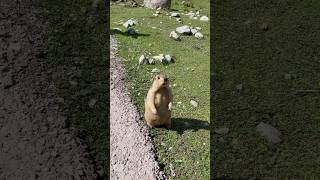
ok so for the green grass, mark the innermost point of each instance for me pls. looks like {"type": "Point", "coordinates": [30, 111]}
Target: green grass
{"type": "Point", "coordinates": [77, 50]}
{"type": "Point", "coordinates": [186, 146]}
{"type": "Point", "coordinates": [260, 60]}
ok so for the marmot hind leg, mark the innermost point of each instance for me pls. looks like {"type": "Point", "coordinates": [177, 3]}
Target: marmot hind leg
{"type": "Point", "coordinates": [168, 124]}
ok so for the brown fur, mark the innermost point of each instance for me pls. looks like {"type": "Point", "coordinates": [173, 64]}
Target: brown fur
{"type": "Point", "coordinates": [158, 103]}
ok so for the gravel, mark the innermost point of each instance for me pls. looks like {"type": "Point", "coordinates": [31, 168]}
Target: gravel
{"type": "Point", "coordinates": [132, 153]}
{"type": "Point", "coordinates": [33, 141]}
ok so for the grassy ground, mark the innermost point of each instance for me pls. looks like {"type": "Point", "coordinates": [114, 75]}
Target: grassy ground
{"type": "Point", "coordinates": [270, 65]}
{"type": "Point", "coordinates": [186, 146]}
{"type": "Point", "coordinates": [77, 46]}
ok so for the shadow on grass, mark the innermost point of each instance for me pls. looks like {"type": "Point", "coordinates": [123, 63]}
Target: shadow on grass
{"type": "Point", "coordinates": [182, 124]}
{"type": "Point", "coordinates": [136, 35]}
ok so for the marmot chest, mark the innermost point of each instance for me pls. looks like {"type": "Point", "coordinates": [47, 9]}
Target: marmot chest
{"type": "Point", "coordinates": [161, 98]}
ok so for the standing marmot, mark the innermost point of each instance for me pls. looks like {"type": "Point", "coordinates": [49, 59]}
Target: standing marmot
{"type": "Point", "coordinates": [158, 102]}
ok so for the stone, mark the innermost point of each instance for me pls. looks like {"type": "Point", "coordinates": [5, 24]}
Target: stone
{"type": "Point", "coordinates": [73, 83]}
{"type": "Point", "coordinates": [198, 35]}
{"type": "Point", "coordinates": [194, 31]}
{"type": "Point", "coordinates": [117, 29]}
{"type": "Point", "coordinates": [194, 103]}
{"type": "Point", "coordinates": [143, 60]}
{"type": "Point", "coordinates": [183, 29]}
{"type": "Point", "coordinates": [198, 28]}
{"type": "Point", "coordinates": [174, 36]}
{"type": "Point", "coordinates": [204, 18]}
{"type": "Point", "coordinates": [156, 4]}
{"type": "Point", "coordinates": [222, 131]}
{"type": "Point", "coordinates": [239, 87]}
{"type": "Point", "coordinates": [175, 14]}
{"type": "Point", "coordinates": [168, 58]}
{"type": "Point", "coordinates": [151, 61]}
{"type": "Point", "coordinates": [264, 26]}
{"type": "Point", "coordinates": [269, 132]}
{"type": "Point", "coordinates": [129, 23]}
{"type": "Point", "coordinates": [160, 58]}
{"type": "Point", "coordinates": [155, 70]}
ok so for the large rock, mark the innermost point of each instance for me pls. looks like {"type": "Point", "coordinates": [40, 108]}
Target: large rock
{"type": "Point", "coordinates": [155, 4]}
{"type": "Point", "coordinates": [143, 60]}
{"type": "Point", "coordinates": [204, 18]}
{"type": "Point", "coordinates": [198, 35]}
{"type": "Point", "coordinates": [129, 23]}
{"type": "Point", "coordinates": [174, 36]}
{"type": "Point", "coordinates": [183, 29]}
{"type": "Point", "coordinates": [174, 14]}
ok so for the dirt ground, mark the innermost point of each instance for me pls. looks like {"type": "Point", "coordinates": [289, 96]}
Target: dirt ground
{"type": "Point", "coordinates": [132, 153]}
{"type": "Point", "coordinates": [33, 141]}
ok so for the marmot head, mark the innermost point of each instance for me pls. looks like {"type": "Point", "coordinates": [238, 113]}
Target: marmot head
{"type": "Point", "coordinates": [160, 80]}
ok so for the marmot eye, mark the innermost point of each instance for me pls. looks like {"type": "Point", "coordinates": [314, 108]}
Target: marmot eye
{"type": "Point", "coordinates": [158, 77]}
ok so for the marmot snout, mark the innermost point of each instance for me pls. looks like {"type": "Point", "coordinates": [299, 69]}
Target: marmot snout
{"type": "Point", "coordinates": [158, 102]}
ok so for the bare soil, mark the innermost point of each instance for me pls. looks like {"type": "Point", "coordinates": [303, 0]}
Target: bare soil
{"type": "Point", "coordinates": [33, 141]}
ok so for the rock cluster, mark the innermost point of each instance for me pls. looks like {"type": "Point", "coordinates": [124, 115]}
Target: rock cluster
{"type": "Point", "coordinates": [161, 58]}
{"type": "Point", "coordinates": [186, 30]}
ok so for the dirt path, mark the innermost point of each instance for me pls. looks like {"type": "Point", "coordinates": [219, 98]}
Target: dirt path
{"type": "Point", "coordinates": [132, 153]}
{"type": "Point", "coordinates": [33, 141]}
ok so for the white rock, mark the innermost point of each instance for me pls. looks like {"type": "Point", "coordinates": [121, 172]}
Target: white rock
{"type": "Point", "coordinates": [174, 36]}
{"type": "Point", "coordinates": [175, 14]}
{"type": "Point", "coordinates": [198, 35]}
{"type": "Point", "coordinates": [155, 14]}
{"type": "Point", "coordinates": [143, 60]}
{"type": "Point", "coordinates": [183, 29]}
{"type": "Point", "coordinates": [198, 28]}
{"type": "Point", "coordinates": [159, 58]}
{"type": "Point", "coordinates": [194, 31]}
{"type": "Point", "coordinates": [194, 103]}
{"type": "Point", "coordinates": [151, 61]}
{"type": "Point", "coordinates": [195, 17]}
{"type": "Point", "coordinates": [129, 23]}
{"type": "Point", "coordinates": [117, 29]}
{"type": "Point", "coordinates": [204, 18]}
{"type": "Point", "coordinates": [155, 70]}
{"type": "Point", "coordinates": [197, 13]}
{"type": "Point", "coordinates": [168, 58]}
{"type": "Point", "coordinates": [191, 14]}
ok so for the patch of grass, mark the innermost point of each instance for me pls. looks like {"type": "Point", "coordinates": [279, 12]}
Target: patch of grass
{"type": "Point", "coordinates": [270, 65]}
{"type": "Point", "coordinates": [77, 52]}
{"type": "Point", "coordinates": [186, 146]}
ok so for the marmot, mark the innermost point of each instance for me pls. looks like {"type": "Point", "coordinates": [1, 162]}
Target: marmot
{"type": "Point", "coordinates": [158, 102]}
